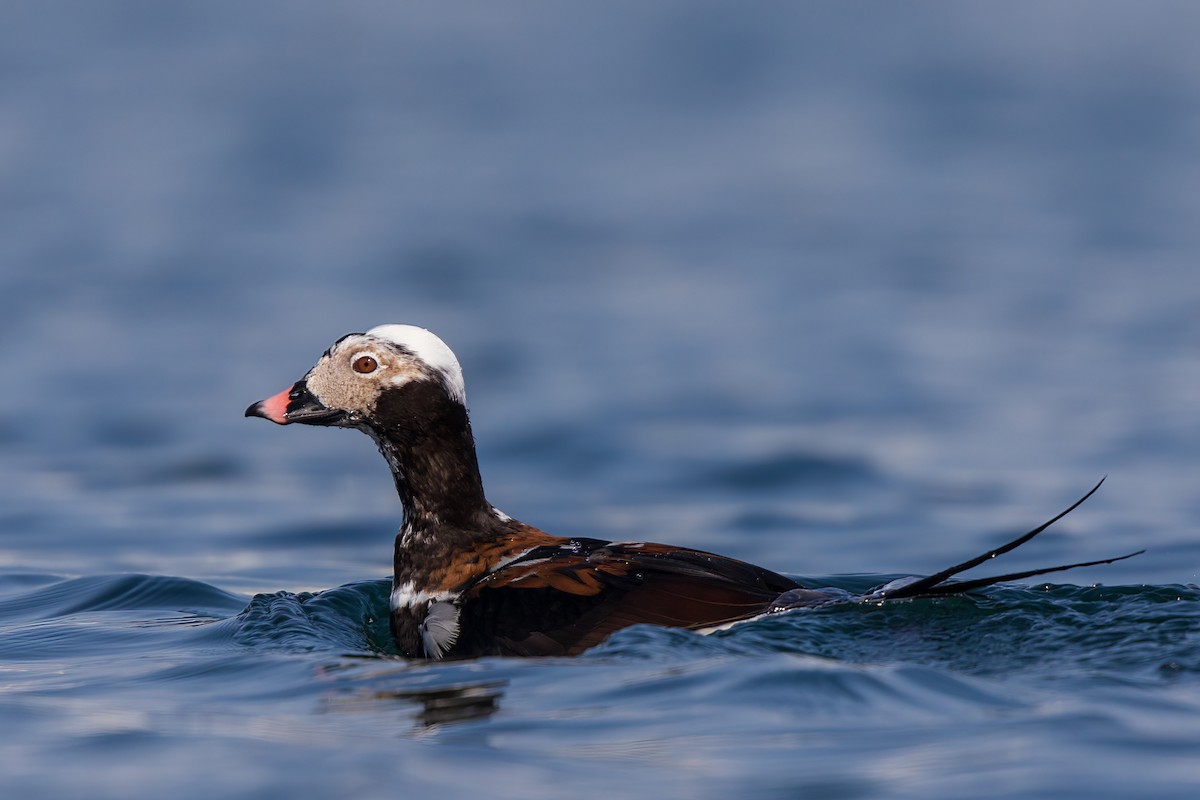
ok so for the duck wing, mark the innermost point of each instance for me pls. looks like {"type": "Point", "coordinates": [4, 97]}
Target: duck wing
{"type": "Point", "coordinates": [562, 599]}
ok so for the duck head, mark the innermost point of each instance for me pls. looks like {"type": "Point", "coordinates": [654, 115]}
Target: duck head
{"type": "Point", "coordinates": [364, 379]}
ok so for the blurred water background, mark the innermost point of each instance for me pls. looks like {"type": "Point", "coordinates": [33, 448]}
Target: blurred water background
{"type": "Point", "coordinates": [847, 290]}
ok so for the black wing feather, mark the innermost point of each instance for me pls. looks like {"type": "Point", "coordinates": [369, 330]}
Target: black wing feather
{"type": "Point", "coordinates": [936, 584]}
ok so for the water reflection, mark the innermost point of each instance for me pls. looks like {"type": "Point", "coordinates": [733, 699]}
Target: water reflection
{"type": "Point", "coordinates": [438, 705]}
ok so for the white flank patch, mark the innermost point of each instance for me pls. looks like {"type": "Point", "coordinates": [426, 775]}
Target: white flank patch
{"type": "Point", "coordinates": [406, 595]}
{"type": "Point", "coordinates": [439, 630]}
{"type": "Point", "coordinates": [439, 625]}
{"type": "Point", "coordinates": [430, 349]}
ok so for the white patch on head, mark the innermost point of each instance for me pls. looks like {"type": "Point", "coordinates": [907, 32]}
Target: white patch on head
{"type": "Point", "coordinates": [430, 349]}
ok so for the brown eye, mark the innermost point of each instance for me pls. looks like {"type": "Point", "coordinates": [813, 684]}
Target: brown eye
{"type": "Point", "coordinates": [364, 365]}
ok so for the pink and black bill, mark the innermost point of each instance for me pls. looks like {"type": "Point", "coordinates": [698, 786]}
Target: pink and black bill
{"type": "Point", "coordinates": [296, 404]}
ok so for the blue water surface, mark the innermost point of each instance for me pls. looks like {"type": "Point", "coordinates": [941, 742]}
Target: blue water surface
{"type": "Point", "coordinates": [852, 291]}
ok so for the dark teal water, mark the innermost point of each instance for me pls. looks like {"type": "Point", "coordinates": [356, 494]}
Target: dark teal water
{"type": "Point", "coordinates": [851, 292]}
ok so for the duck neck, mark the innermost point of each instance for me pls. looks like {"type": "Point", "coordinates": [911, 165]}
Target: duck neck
{"type": "Point", "coordinates": [426, 438]}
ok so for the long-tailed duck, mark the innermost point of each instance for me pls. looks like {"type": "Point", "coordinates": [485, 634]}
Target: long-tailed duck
{"type": "Point", "coordinates": [471, 581]}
